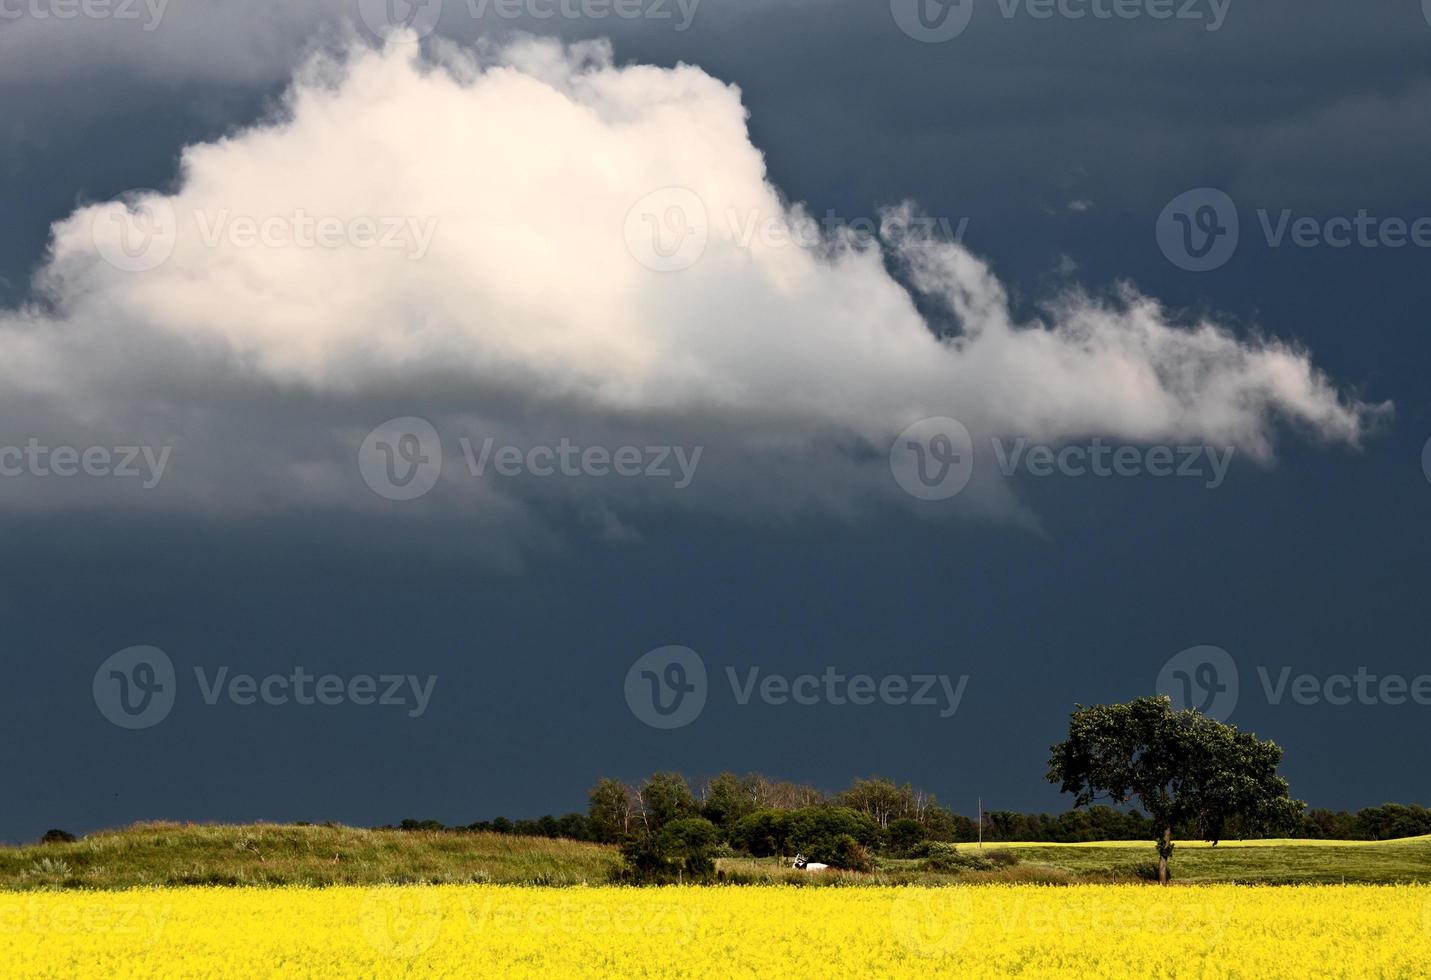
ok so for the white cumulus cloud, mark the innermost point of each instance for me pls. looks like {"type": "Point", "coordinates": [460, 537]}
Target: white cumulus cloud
{"type": "Point", "coordinates": [534, 242]}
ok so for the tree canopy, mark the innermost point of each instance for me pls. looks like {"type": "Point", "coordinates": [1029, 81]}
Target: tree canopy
{"type": "Point", "coordinates": [1186, 770]}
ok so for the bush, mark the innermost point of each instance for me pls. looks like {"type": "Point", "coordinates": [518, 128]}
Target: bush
{"type": "Point", "coordinates": [683, 851]}
{"type": "Point", "coordinates": [411, 824]}
{"type": "Point", "coordinates": [691, 842]}
{"type": "Point", "coordinates": [945, 857]}
{"type": "Point", "coordinates": [902, 835]}
{"type": "Point", "coordinates": [1149, 872]}
{"type": "Point", "coordinates": [56, 836]}
{"type": "Point", "coordinates": [925, 848]}
{"type": "Point", "coordinates": [849, 855]}
{"type": "Point", "coordinates": [814, 831]}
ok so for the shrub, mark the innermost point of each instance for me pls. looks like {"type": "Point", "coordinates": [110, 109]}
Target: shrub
{"type": "Point", "coordinates": [925, 848]}
{"type": "Point", "coordinates": [1149, 872]}
{"type": "Point", "coordinates": [682, 851]}
{"type": "Point", "coordinates": [850, 855]}
{"type": "Point", "coordinates": [944, 857]}
{"type": "Point", "coordinates": [902, 835]}
{"type": "Point", "coordinates": [56, 836]}
{"type": "Point", "coordinates": [813, 831]}
{"type": "Point", "coordinates": [690, 842]}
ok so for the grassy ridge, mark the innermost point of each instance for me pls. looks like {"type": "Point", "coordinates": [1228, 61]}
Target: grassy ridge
{"type": "Point", "coordinates": [275, 854]}
{"type": "Point", "coordinates": [1261, 842]}
{"type": "Point", "coordinates": [160, 854]}
{"type": "Point", "coordinates": [1260, 862]}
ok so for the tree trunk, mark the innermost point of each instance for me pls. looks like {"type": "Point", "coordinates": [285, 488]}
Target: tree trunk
{"type": "Point", "coordinates": [1165, 851]}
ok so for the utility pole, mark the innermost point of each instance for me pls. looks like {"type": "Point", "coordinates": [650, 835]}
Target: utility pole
{"type": "Point", "coordinates": [981, 823]}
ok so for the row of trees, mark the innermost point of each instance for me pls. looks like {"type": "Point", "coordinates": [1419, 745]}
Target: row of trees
{"type": "Point", "coordinates": [618, 810]}
{"type": "Point", "coordinates": [1386, 822]}
{"type": "Point", "coordinates": [616, 807]}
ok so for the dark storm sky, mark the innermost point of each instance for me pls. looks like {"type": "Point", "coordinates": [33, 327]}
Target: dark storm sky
{"type": "Point", "coordinates": [1318, 563]}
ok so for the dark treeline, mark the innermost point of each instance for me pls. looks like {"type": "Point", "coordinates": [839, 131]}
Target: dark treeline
{"type": "Point", "coordinates": [898, 815]}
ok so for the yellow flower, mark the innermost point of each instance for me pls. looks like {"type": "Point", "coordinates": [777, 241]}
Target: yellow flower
{"type": "Point", "coordinates": [548, 933]}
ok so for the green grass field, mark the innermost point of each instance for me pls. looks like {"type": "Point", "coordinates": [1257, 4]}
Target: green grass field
{"type": "Point", "coordinates": [1261, 862]}
{"type": "Point", "coordinates": [276, 854]}
{"type": "Point", "coordinates": [150, 855]}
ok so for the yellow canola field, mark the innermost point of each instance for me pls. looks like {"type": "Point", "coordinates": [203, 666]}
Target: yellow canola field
{"type": "Point", "coordinates": [765, 931]}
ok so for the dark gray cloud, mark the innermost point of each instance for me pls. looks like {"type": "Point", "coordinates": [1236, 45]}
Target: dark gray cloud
{"type": "Point", "coordinates": [531, 614]}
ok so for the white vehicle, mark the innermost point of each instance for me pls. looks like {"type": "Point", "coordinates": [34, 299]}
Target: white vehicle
{"type": "Point", "coordinates": [803, 865]}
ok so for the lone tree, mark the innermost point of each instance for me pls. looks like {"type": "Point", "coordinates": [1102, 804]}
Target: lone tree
{"type": "Point", "coordinates": [1187, 770]}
